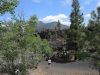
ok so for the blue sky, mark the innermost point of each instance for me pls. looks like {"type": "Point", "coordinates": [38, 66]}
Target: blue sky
{"type": "Point", "coordinates": [52, 10]}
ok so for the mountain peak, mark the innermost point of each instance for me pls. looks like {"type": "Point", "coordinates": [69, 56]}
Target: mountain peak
{"type": "Point", "coordinates": [51, 25]}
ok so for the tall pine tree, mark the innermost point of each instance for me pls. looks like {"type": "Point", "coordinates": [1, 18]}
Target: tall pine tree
{"type": "Point", "coordinates": [94, 36]}
{"type": "Point", "coordinates": [75, 33]}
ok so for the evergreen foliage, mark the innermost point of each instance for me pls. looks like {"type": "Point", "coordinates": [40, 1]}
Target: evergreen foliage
{"type": "Point", "coordinates": [94, 36]}
{"type": "Point", "coordinates": [75, 34]}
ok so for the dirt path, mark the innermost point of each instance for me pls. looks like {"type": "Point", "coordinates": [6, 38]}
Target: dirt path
{"type": "Point", "coordinates": [76, 68]}
{"type": "Point", "coordinates": [80, 68]}
{"type": "Point", "coordinates": [38, 71]}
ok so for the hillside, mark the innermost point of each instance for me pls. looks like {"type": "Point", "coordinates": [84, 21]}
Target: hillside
{"type": "Point", "coordinates": [51, 25]}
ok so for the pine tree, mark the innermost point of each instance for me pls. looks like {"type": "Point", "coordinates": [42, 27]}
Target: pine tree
{"type": "Point", "coordinates": [75, 33]}
{"type": "Point", "coordinates": [76, 18]}
{"type": "Point", "coordinates": [58, 25]}
{"type": "Point", "coordinates": [94, 36]}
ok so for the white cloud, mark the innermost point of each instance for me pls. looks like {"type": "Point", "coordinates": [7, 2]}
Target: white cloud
{"type": "Point", "coordinates": [66, 2]}
{"type": "Point", "coordinates": [87, 15]}
{"type": "Point", "coordinates": [36, 1]}
{"type": "Point", "coordinates": [54, 18]}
